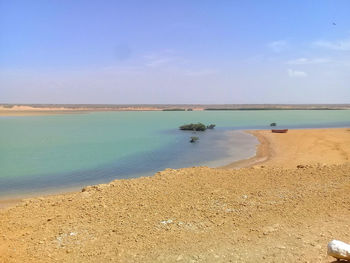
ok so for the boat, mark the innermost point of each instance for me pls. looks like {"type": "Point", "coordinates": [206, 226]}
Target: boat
{"type": "Point", "coordinates": [279, 130]}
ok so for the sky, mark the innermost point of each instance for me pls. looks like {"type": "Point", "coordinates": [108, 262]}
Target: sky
{"type": "Point", "coordinates": [174, 52]}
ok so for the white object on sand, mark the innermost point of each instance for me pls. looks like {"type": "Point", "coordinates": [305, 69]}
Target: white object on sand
{"type": "Point", "coordinates": [338, 250]}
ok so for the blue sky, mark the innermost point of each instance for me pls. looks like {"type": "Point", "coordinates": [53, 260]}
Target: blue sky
{"type": "Point", "coordinates": [174, 51]}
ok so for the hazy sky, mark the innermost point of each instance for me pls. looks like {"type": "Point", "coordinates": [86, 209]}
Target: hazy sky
{"type": "Point", "coordinates": [71, 51]}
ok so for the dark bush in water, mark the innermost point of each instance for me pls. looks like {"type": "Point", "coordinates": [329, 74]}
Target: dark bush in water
{"type": "Point", "coordinates": [194, 139]}
{"type": "Point", "coordinates": [193, 127]}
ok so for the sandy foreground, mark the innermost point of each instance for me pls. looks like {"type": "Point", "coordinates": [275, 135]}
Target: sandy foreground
{"type": "Point", "coordinates": [269, 212]}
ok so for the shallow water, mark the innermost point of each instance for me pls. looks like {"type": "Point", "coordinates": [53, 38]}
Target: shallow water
{"type": "Point", "coordinates": [41, 152]}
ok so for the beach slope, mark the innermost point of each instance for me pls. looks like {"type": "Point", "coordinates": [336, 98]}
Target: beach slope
{"type": "Point", "coordinates": [271, 212]}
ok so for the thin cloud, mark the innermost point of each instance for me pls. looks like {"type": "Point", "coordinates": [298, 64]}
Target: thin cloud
{"type": "Point", "coordinates": [203, 72]}
{"type": "Point", "coordinates": [306, 61]}
{"type": "Point", "coordinates": [339, 45]}
{"type": "Point", "coordinates": [296, 74]}
{"type": "Point", "coordinates": [159, 62]}
{"type": "Point", "coordinates": [163, 58]}
{"type": "Point", "coordinates": [278, 46]}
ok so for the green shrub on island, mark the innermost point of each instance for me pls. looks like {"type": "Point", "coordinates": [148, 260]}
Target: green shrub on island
{"type": "Point", "coordinates": [193, 127]}
{"type": "Point", "coordinates": [211, 126]}
{"type": "Point", "coordinates": [194, 139]}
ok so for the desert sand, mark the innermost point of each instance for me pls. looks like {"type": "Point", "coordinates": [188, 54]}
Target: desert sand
{"type": "Point", "coordinates": [271, 211]}
{"type": "Point", "coordinates": [23, 110]}
{"type": "Point", "coordinates": [306, 146]}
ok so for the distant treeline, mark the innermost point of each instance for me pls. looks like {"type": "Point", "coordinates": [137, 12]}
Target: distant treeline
{"type": "Point", "coordinates": [239, 109]}
{"type": "Point", "coordinates": [187, 107]}
{"type": "Point", "coordinates": [177, 109]}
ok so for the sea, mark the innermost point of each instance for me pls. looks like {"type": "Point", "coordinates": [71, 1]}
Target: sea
{"type": "Point", "coordinates": [50, 153]}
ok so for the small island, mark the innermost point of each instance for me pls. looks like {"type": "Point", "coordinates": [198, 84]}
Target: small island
{"type": "Point", "coordinates": [196, 127]}
{"type": "Point", "coordinates": [193, 127]}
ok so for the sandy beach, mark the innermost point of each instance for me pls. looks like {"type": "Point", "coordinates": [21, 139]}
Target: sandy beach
{"type": "Point", "coordinates": [23, 110]}
{"type": "Point", "coordinates": [305, 146]}
{"type": "Point", "coordinates": [285, 206]}
{"type": "Point", "coordinates": [135, 132]}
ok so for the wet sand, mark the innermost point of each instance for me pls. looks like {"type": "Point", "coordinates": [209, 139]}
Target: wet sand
{"type": "Point", "coordinates": [263, 153]}
{"type": "Point", "coordinates": [270, 212]}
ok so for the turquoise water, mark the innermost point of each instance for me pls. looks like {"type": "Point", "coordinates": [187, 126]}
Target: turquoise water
{"type": "Point", "coordinates": [39, 152]}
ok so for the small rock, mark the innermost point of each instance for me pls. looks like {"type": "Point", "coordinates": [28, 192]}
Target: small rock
{"type": "Point", "coordinates": [85, 194]}
{"type": "Point", "coordinates": [338, 249]}
{"type": "Point", "coordinates": [270, 229]}
{"type": "Point", "coordinates": [179, 258]}
{"type": "Point", "coordinates": [318, 246]}
{"type": "Point", "coordinates": [165, 222]}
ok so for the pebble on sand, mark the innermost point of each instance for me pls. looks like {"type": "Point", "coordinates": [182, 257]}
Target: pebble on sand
{"type": "Point", "coordinates": [338, 250]}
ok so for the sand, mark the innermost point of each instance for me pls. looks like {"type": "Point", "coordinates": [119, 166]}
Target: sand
{"type": "Point", "coordinates": [271, 212]}
{"type": "Point", "coordinates": [22, 110]}
{"type": "Point", "coordinates": [306, 146]}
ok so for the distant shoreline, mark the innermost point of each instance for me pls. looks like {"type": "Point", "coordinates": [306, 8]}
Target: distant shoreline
{"type": "Point", "coordinates": [53, 109]}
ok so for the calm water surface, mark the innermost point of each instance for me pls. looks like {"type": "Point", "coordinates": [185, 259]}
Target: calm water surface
{"type": "Point", "coordinates": [53, 152]}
